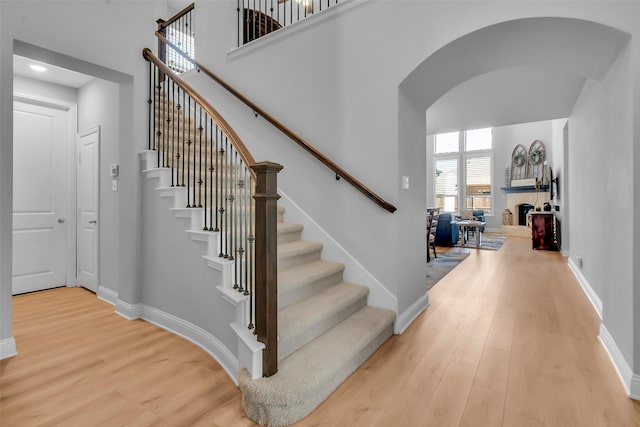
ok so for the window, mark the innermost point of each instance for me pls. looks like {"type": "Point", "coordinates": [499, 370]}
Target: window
{"type": "Point", "coordinates": [463, 170]}
{"type": "Point", "coordinates": [478, 180]}
{"type": "Point", "coordinates": [477, 139]}
{"type": "Point", "coordinates": [447, 142]}
{"type": "Point", "coordinates": [447, 184]}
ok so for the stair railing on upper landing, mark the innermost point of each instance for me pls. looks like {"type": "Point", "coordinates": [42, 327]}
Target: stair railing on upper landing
{"type": "Point", "coordinates": [258, 111]}
{"type": "Point", "coordinates": [257, 18]}
{"type": "Point", "coordinates": [237, 195]}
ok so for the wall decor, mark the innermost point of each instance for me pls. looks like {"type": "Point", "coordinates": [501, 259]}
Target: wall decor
{"type": "Point", "coordinates": [536, 159]}
{"type": "Point", "coordinates": [519, 163]}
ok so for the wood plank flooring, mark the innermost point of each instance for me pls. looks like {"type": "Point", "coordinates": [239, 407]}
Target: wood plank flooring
{"type": "Point", "coordinates": [509, 340]}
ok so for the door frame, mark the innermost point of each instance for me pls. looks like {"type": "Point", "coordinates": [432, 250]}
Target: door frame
{"type": "Point", "coordinates": [70, 179]}
{"type": "Point", "coordinates": [95, 129]}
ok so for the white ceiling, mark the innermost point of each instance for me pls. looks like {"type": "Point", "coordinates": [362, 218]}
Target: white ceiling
{"type": "Point", "coordinates": [505, 97]}
{"type": "Point", "coordinates": [53, 74]}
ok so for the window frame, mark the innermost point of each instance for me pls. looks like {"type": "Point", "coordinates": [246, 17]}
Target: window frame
{"type": "Point", "coordinates": [462, 155]}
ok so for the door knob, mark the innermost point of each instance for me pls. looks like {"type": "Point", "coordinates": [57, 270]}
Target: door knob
{"type": "Point", "coordinates": [93, 221]}
{"type": "Point", "coordinates": [60, 220]}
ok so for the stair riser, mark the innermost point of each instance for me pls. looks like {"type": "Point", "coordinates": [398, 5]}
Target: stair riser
{"type": "Point", "coordinates": [288, 262]}
{"type": "Point", "coordinates": [304, 292]}
{"type": "Point", "coordinates": [291, 236]}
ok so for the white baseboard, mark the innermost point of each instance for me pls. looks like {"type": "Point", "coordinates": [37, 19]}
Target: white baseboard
{"type": "Point", "coordinates": [586, 287]}
{"type": "Point", "coordinates": [197, 336]}
{"type": "Point", "coordinates": [128, 311]}
{"type": "Point", "coordinates": [634, 389]}
{"type": "Point", "coordinates": [8, 348]}
{"type": "Point", "coordinates": [625, 373]}
{"type": "Point", "coordinates": [107, 295]}
{"type": "Point", "coordinates": [409, 315]}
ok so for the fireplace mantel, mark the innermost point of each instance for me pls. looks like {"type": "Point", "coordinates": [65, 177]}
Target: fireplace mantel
{"type": "Point", "coordinates": [525, 189]}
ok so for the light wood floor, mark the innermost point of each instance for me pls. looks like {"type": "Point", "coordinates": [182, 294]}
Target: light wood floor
{"type": "Point", "coordinates": [509, 340]}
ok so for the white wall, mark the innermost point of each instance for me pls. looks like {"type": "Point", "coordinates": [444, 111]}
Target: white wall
{"type": "Point", "coordinates": [601, 169]}
{"type": "Point", "coordinates": [6, 186]}
{"type": "Point", "coordinates": [560, 197]}
{"type": "Point", "coordinates": [99, 103]}
{"type": "Point", "coordinates": [25, 85]}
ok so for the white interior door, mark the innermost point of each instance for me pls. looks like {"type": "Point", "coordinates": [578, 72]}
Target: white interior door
{"type": "Point", "coordinates": [87, 198]}
{"type": "Point", "coordinates": [41, 153]}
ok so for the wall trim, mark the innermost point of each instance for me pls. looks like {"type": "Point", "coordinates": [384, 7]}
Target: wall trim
{"type": "Point", "coordinates": [409, 315]}
{"type": "Point", "coordinates": [195, 335]}
{"type": "Point", "coordinates": [586, 287]}
{"type": "Point", "coordinates": [107, 295]}
{"type": "Point", "coordinates": [623, 369]}
{"type": "Point", "coordinates": [8, 348]}
{"type": "Point", "coordinates": [128, 311]}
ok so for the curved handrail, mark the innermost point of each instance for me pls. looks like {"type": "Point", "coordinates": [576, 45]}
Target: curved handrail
{"type": "Point", "coordinates": [231, 134]}
{"type": "Point", "coordinates": [340, 173]}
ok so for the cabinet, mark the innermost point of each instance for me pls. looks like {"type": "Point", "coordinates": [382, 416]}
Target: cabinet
{"type": "Point", "coordinates": [543, 231]}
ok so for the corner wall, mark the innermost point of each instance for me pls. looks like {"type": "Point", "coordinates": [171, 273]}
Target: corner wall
{"type": "Point", "coordinates": [601, 179]}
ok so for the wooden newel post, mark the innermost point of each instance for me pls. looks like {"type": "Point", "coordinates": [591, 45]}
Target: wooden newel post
{"type": "Point", "coordinates": [266, 286]}
{"type": "Point", "coordinates": [162, 48]}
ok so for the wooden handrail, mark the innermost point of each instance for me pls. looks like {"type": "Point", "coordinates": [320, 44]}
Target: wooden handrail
{"type": "Point", "coordinates": [340, 172]}
{"type": "Point", "coordinates": [162, 23]}
{"type": "Point", "coordinates": [231, 134]}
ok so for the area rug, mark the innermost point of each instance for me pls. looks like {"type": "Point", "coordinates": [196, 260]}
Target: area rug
{"type": "Point", "coordinates": [490, 241]}
{"type": "Point", "coordinates": [438, 267]}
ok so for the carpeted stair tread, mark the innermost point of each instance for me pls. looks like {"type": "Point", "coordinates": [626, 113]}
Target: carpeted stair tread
{"type": "Point", "coordinates": [304, 280]}
{"type": "Point", "coordinates": [301, 323]}
{"type": "Point", "coordinates": [289, 232]}
{"type": "Point", "coordinates": [308, 376]}
{"type": "Point", "coordinates": [298, 252]}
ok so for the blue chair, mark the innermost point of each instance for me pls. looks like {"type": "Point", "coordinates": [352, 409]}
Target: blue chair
{"type": "Point", "coordinates": [448, 232]}
{"type": "Point", "coordinates": [479, 214]}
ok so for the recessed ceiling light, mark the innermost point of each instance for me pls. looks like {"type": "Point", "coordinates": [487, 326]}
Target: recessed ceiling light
{"type": "Point", "coordinates": [38, 68]}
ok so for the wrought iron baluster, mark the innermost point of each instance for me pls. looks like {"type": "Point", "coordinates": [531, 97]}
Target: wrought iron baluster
{"type": "Point", "coordinates": [157, 114]}
{"type": "Point", "coordinates": [184, 126]}
{"type": "Point", "coordinates": [200, 181]}
{"type": "Point", "coordinates": [177, 139]}
{"type": "Point", "coordinates": [150, 104]}
{"type": "Point", "coordinates": [223, 228]}
{"type": "Point", "coordinates": [217, 178]}
{"type": "Point", "coordinates": [194, 137]}
{"type": "Point", "coordinates": [189, 142]}
{"type": "Point", "coordinates": [250, 243]}
{"type": "Point", "coordinates": [172, 135]}
{"type": "Point", "coordinates": [231, 199]}
{"type": "Point", "coordinates": [205, 184]}
{"type": "Point", "coordinates": [211, 171]}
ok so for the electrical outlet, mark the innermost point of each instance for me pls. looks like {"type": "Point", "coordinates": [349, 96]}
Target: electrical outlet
{"type": "Point", "coordinates": [579, 261]}
{"type": "Point", "coordinates": [114, 185]}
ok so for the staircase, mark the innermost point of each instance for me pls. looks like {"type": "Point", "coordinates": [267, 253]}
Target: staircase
{"type": "Point", "coordinates": [326, 330]}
